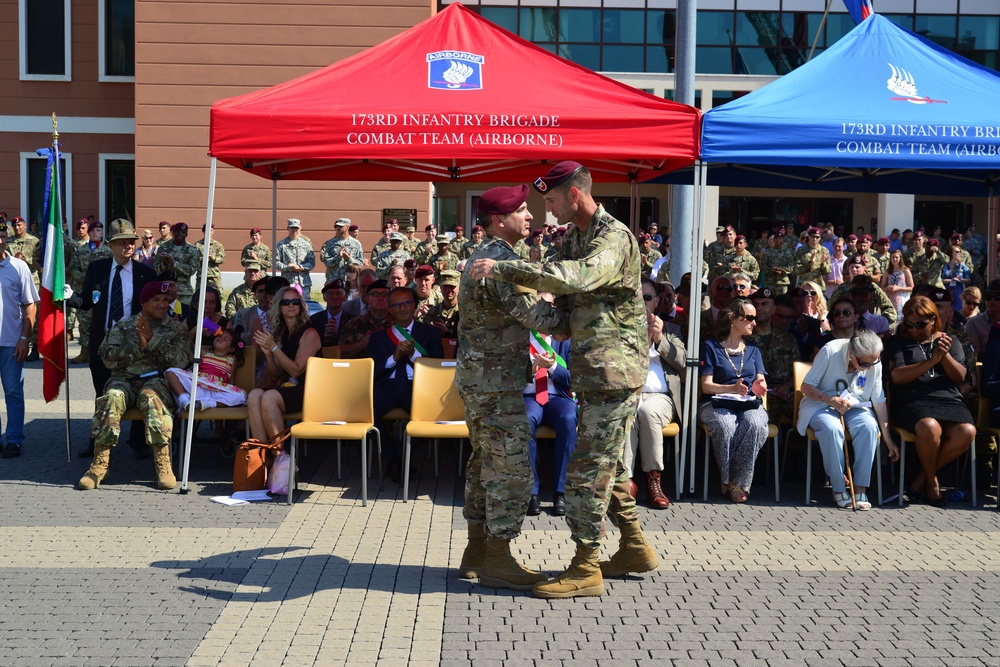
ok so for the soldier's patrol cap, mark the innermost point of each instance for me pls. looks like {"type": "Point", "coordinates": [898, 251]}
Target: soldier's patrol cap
{"type": "Point", "coordinates": [120, 228]}
{"type": "Point", "coordinates": [424, 270]}
{"type": "Point", "coordinates": [252, 266]}
{"type": "Point", "coordinates": [294, 222]}
{"type": "Point", "coordinates": [396, 236]}
{"type": "Point", "coordinates": [883, 239]}
{"type": "Point", "coordinates": [852, 237]}
{"type": "Point", "coordinates": [450, 278]}
{"type": "Point", "coordinates": [557, 175]}
{"type": "Point", "coordinates": [720, 230]}
{"type": "Point", "coordinates": [476, 228]}
{"type": "Point", "coordinates": [411, 228]}
{"type": "Point", "coordinates": [502, 200]}
{"type": "Point", "coordinates": [939, 295]}
{"type": "Point", "coordinates": [762, 293]}
{"type": "Point", "coordinates": [178, 227]}
{"type": "Point", "coordinates": [442, 238]}
{"type": "Point", "coordinates": [336, 283]}
{"type": "Point", "coordinates": [410, 264]}
{"type": "Point", "coordinates": [857, 260]}
{"type": "Point", "coordinates": [342, 222]}
{"type": "Point", "coordinates": [862, 283]}
{"type": "Point", "coordinates": [814, 231]}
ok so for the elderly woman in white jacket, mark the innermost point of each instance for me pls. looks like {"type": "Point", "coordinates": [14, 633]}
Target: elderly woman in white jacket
{"type": "Point", "coordinates": [846, 381]}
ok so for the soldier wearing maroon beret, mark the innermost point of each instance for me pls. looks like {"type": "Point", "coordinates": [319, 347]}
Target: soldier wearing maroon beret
{"type": "Point", "coordinates": [598, 275]}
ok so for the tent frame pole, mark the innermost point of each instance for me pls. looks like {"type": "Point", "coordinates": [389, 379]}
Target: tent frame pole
{"type": "Point", "coordinates": [689, 434]}
{"type": "Point", "coordinates": [274, 222]}
{"type": "Point", "coordinates": [202, 283]}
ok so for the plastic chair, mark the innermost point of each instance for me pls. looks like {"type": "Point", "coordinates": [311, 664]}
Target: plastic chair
{"type": "Point", "coordinates": [799, 371]}
{"type": "Point", "coordinates": [338, 406]}
{"type": "Point", "coordinates": [772, 434]}
{"type": "Point", "coordinates": [437, 410]}
{"type": "Point", "coordinates": [244, 379]}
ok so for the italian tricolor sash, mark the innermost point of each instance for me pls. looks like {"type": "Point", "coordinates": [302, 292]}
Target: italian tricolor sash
{"type": "Point", "coordinates": [398, 334]}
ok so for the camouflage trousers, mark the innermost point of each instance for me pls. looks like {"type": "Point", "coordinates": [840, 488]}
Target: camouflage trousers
{"type": "Point", "coordinates": [152, 397]}
{"type": "Point", "coordinates": [70, 319]}
{"type": "Point", "coordinates": [597, 480]}
{"type": "Point", "coordinates": [498, 475]}
{"type": "Point", "coordinates": [84, 317]}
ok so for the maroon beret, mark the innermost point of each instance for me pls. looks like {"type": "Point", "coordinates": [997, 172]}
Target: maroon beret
{"type": "Point", "coordinates": [476, 228]}
{"type": "Point", "coordinates": [462, 229]}
{"type": "Point", "coordinates": [255, 230]}
{"type": "Point", "coordinates": [884, 239]}
{"type": "Point", "coordinates": [410, 264]}
{"type": "Point", "coordinates": [336, 283]}
{"type": "Point", "coordinates": [424, 270]}
{"type": "Point", "coordinates": [740, 237]}
{"type": "Point", "coordinates": [857, 260]}
{"type": "Point", "coordinates": [956, 235]}
{"type": "Point", "coordinates": [353, 228]}
{"type": "Point", "coordinates": [429, 228]}
{"type": "Point", "coordinates": [644, 237]}
{"type": "Point", "coordinates": [866, 237]}
{"type": "Point", "coordinates": [503, 200]}
{"type": "Point", "coordinates": [918, 234]}
{"type": "Point", "coordinates": [557, 175]}
{"type": "Point", "coordinates": [537, 232]}
{"type": "Point", "coordinates": [852, 237]}
{"type": "Point", "coordinates": [149, 290]}
{"type": "Point", "coordinates": [179, 227]}
{"type": "Point", "coordinates": [815, 231]}
{"type": "Point", "coordinates": [933, 243]}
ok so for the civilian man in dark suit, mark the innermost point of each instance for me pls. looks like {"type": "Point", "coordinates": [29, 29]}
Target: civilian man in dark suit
{"type": "Point", "coordinates": [394, 352]}
{"type": "Point", "coordinates": [328, 322]}
{"type": "Point", "coordinates": [111, 290]}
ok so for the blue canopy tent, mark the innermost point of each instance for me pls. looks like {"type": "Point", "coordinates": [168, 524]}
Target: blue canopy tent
{"type": "Point", "coordinates": [882, 110]}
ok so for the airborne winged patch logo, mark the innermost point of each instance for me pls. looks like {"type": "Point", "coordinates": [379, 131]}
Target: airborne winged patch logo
{"type": "Point", "coordinates": [902, 83]}
{"type": "Point", "coordinates": [455, 70]}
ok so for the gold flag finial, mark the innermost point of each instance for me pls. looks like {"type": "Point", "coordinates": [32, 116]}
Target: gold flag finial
{"type": "Point", "coordinates": [55, 126]}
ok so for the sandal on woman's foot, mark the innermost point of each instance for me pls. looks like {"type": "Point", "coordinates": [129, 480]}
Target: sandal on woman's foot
{"type": "Point", "coordinates": [861, 502]}
{"type": "Point", "coordinates": [842, 499]}
{"type": "Point", "coordinates": [725, 489]}
{"type": "Point", "coordinates": [737, 495]}
{"type": "Point", "coordinates": [913, 496]}
{"type": "Point", "coordinates": [937, 502]}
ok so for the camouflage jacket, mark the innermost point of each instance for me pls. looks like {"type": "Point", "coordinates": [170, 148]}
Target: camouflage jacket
{"type": "Point", "coordinates": [261, 255]}
{"type": "Point", "coordinates": [448, 315]}
{"type": "Point", "coordinates": [456, 245]}
{"type": "Point", "coordinates": [776, 267]}
{"type": "Point", "coordinates": [388, 259]}
{"type": "Point", "coordinates": [720, 260]}
{"type": "Point", "coordinates": [599, 274]}
{"type": "Point", "coordinates": [747, 264]}
{"type": "Point", "coordinates": [469, 249]}
{"type": "Point", "coordinates": [493, 330]}
{"type": "Point", "coordinates": [168, 348]}
{"type": "Point", "coordinates": [356, 329]}
{"type": "Point", "coordinates": [30, 247]}
{"type": "Point", "coordinates": [912, 255]}
{"type": "Point", "coordinates": [883, 261]}
{"type": "Point", "coordinates": [880, 305]}
{"type": "Point", "coordinates": [187, 264]}
{"type": "Point", "coordinates": [379, 248]}
{"type": "Point", "coordinates": [648, 259]}
{"type": "Point", "coordinates": [873, 265]}
{"type": "Point", "coordinates": [927, 266]}
{"type": "Point", "coordinates": [216, 256]}
{"type": "Point", "coordinates": [812, 264]}
{"type": "Point", "coordinates": [424, 250]}
{"type": "Point", "coordinates": [336, 264]}
{"type": "Point", "coordinates": [779, 354]}
{"type": "Point", "coordinates": [80, 259]}
{"type": "Point", "coordinates": [432, 299]}
{"type": "Point", "coordinates": [241, 297]}
{"type": "Point", "coordinates": [442, 261]}
{"type": "Point", "coordinates": [299, 251]}
{"type": "Point", "coordinates": [976, 246]}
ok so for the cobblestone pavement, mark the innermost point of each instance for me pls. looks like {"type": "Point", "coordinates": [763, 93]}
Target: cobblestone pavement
{"type": "Point", "coordinates": [128, 575]}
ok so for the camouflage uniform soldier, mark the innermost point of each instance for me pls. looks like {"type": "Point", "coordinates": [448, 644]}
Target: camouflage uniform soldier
{"type": "Point", "coordinates": [779, 350]}
{"type": "Point", "coordinates": [83, 255]}
{"type": "Point", "coordinates": [456, 244]}
{"type": "Point", "coordinates": [216, 257]}
{"type": "Point", "coordinates": [164, 234]}
{"type": "Point", "coordinates": [812, 261]}
{"type": "Point", "coordinates": [880, 303]}
{"type": "Point", "coordinates": [444, 314]}
{"type": "Point", "coordinates": [395, 255]}
{"type": "Point", "coordinates": [76, 282]}
{"type": "Point", "coordinates": [975, 245]}
{"type": "Point", "coordinates": [720, 257]}
{"type": "Point", "coordinates": [927, 266]}
{"type": "Point", "coordinates": [648, 254]}
{"type": "Point", "coordinates": [242, 296]}
{"type": "Point", "coordinates": [475, 244]}
{"type": "Point", "coordinates": [444, 259]}
{"type": "Point", "coordinates": [182, 258]}
{"type": "Point", "coordinates": [777, 266]}
{"type": "Point", "coordinates": [791, 238]}
{"type": "Point", "coordinates": [881, 254]}
{"type": "Point", "coordinates": [427, 247]}
{"type": "Point", "coordinates": [491, 375]}
{"type": "Point", "coordinates": [410, 244]}
{"type": "Point", "coordinates": [294, 258]}
{"type": "Point", "coordinates": [255, 251]}
{"type": "Point", "coordinates": [522, 250]}
{"type": "Point", "coordinates": [28, 249]}
{"type": "Point", "coordinates": [600, 278]}
{"type": "Point", "coordinates": [743, 262]}
{"type": "Point", "coordinates": [150, 341]}
{"type": "Point", "coordinates": [916, 249]}
{"type": "Point", "coordinates": [710, 247]}
{"type": "Point", "coordinates": [341, 251]}
{"type": "Point", "coordinates": [383, 243]}
{"type": "Point", "coordinates": [956, 239]}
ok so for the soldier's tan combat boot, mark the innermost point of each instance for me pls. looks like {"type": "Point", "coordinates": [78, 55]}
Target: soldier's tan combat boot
{"type": "Point", "coordinates": [82, 358]}
{"type": "Point", "coordinates": [634, 553]}
{"type": "Point", "coordinates": [475, 553]}
{"type": "Point", "coordinates": [582, 578]}
{"type": "Point", "coordinates": [501, 570]}
{"type": "Point", "coordinates": [164, 471]}
{"type": "Point", "coordinates": [98, 468]}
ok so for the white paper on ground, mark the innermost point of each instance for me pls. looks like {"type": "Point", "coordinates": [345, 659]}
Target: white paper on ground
{"type": "Point", "coordinates": [251, 496]}
{"type": "Point", "coordinates": [228, 500]}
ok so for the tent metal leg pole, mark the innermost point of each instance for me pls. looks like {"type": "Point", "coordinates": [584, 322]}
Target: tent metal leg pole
{"type": "Point", "coordinates": [992, 225]}
{"type": "Point", "coordinates": [274, 223]}
{"type": "Point", "coordinates": [202, 282]}
{"type": "Point", "coordinates": [694, 318]}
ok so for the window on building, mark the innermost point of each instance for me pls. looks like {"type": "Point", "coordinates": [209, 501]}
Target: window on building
{"type": "Point", "coordinates": [33, 184]}
{"type": "Point", "coordinates": [118, 38]}
{"type": "Point", "coordinates": [446, 213]}
{"type": "Point", "coordinates": [749, 215]}
{"type": "Point", "coordinates": [621, 207]}
{"type": "Point", "coordinates": [45, 39]}
{"type": "Point", "coordinates": [118, 188]}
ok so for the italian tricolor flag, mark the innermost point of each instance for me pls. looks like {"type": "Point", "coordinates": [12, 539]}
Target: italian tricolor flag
{"type": "Point", "coordinates": [51, 328]}
{"type": "Point", "coordinates": [398, 334]}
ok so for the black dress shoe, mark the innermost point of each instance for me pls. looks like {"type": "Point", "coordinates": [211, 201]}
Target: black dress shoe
{"type": "Point", "coordinates": [559, 505]}
{"type": "Point", "coordinates": [11, 451]}
{"type": "Point", "coordinates": [534, 507]}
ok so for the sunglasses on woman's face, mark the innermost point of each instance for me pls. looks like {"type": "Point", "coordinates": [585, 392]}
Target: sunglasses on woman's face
{"type": "Point", "coordinates": [865, 364]}
{"type": "Point", "coordinates": [648, 297]}
{"type": "Point", "coordinates": [843, 313]}
{"type": "Point", "coordinates": [749, 318]}
{"type": "Point", "coordinates": [920, 324]}
{"type": "Point", "coordinates": [969, 302]}
{"type": "Point", "coordinates": [289, 302]}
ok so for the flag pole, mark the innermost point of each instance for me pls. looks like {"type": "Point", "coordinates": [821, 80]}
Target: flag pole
{"type": "Point", "coordinates": [58, 193]}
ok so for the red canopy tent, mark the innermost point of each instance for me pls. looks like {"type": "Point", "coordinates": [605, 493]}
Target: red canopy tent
{"type": "Point", "coordinates": [453, 98]}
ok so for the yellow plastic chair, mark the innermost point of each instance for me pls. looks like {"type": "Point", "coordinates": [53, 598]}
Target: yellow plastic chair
{"type": "Point", "coordinates": [437, 410]}
{"type": "Point", "coordinates": [337, 406]}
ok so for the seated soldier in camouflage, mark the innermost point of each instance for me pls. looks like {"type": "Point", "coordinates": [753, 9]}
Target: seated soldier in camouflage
{"type": "Point", "coordinates": [137, 350]}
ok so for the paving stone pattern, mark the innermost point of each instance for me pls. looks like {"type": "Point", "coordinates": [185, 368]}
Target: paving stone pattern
{"type": "Point", "coordinates": [129, 575]}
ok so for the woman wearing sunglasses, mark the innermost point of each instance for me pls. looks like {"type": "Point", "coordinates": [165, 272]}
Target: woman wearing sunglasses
{"type": "Point", "coordinates": [815, 303]}
{"type": "Point", "coordinates": [845, 381]}
{"type": "Point", "coordinates": [843, 318]}
{"type": "Point", "coordinates": [287, 348]}
{"type": "Point", "coordinates": [925, 370]}
{"type": "Point", "coordinates": [732, 364]}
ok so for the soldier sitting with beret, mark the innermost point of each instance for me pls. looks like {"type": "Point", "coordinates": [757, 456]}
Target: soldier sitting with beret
{"type": "Point", "coordinates": [137, 350]}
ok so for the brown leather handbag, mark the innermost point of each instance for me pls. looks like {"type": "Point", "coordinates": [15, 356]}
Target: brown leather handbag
{"type": "Point", "coordinates": [251, 462]}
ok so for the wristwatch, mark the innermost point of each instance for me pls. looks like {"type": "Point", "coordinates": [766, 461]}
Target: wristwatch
{"type": "Point", "coordinates": [274, 349]}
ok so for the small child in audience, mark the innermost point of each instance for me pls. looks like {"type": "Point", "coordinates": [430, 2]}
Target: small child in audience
{"type": "Point", "coordinates": [215, 374]}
